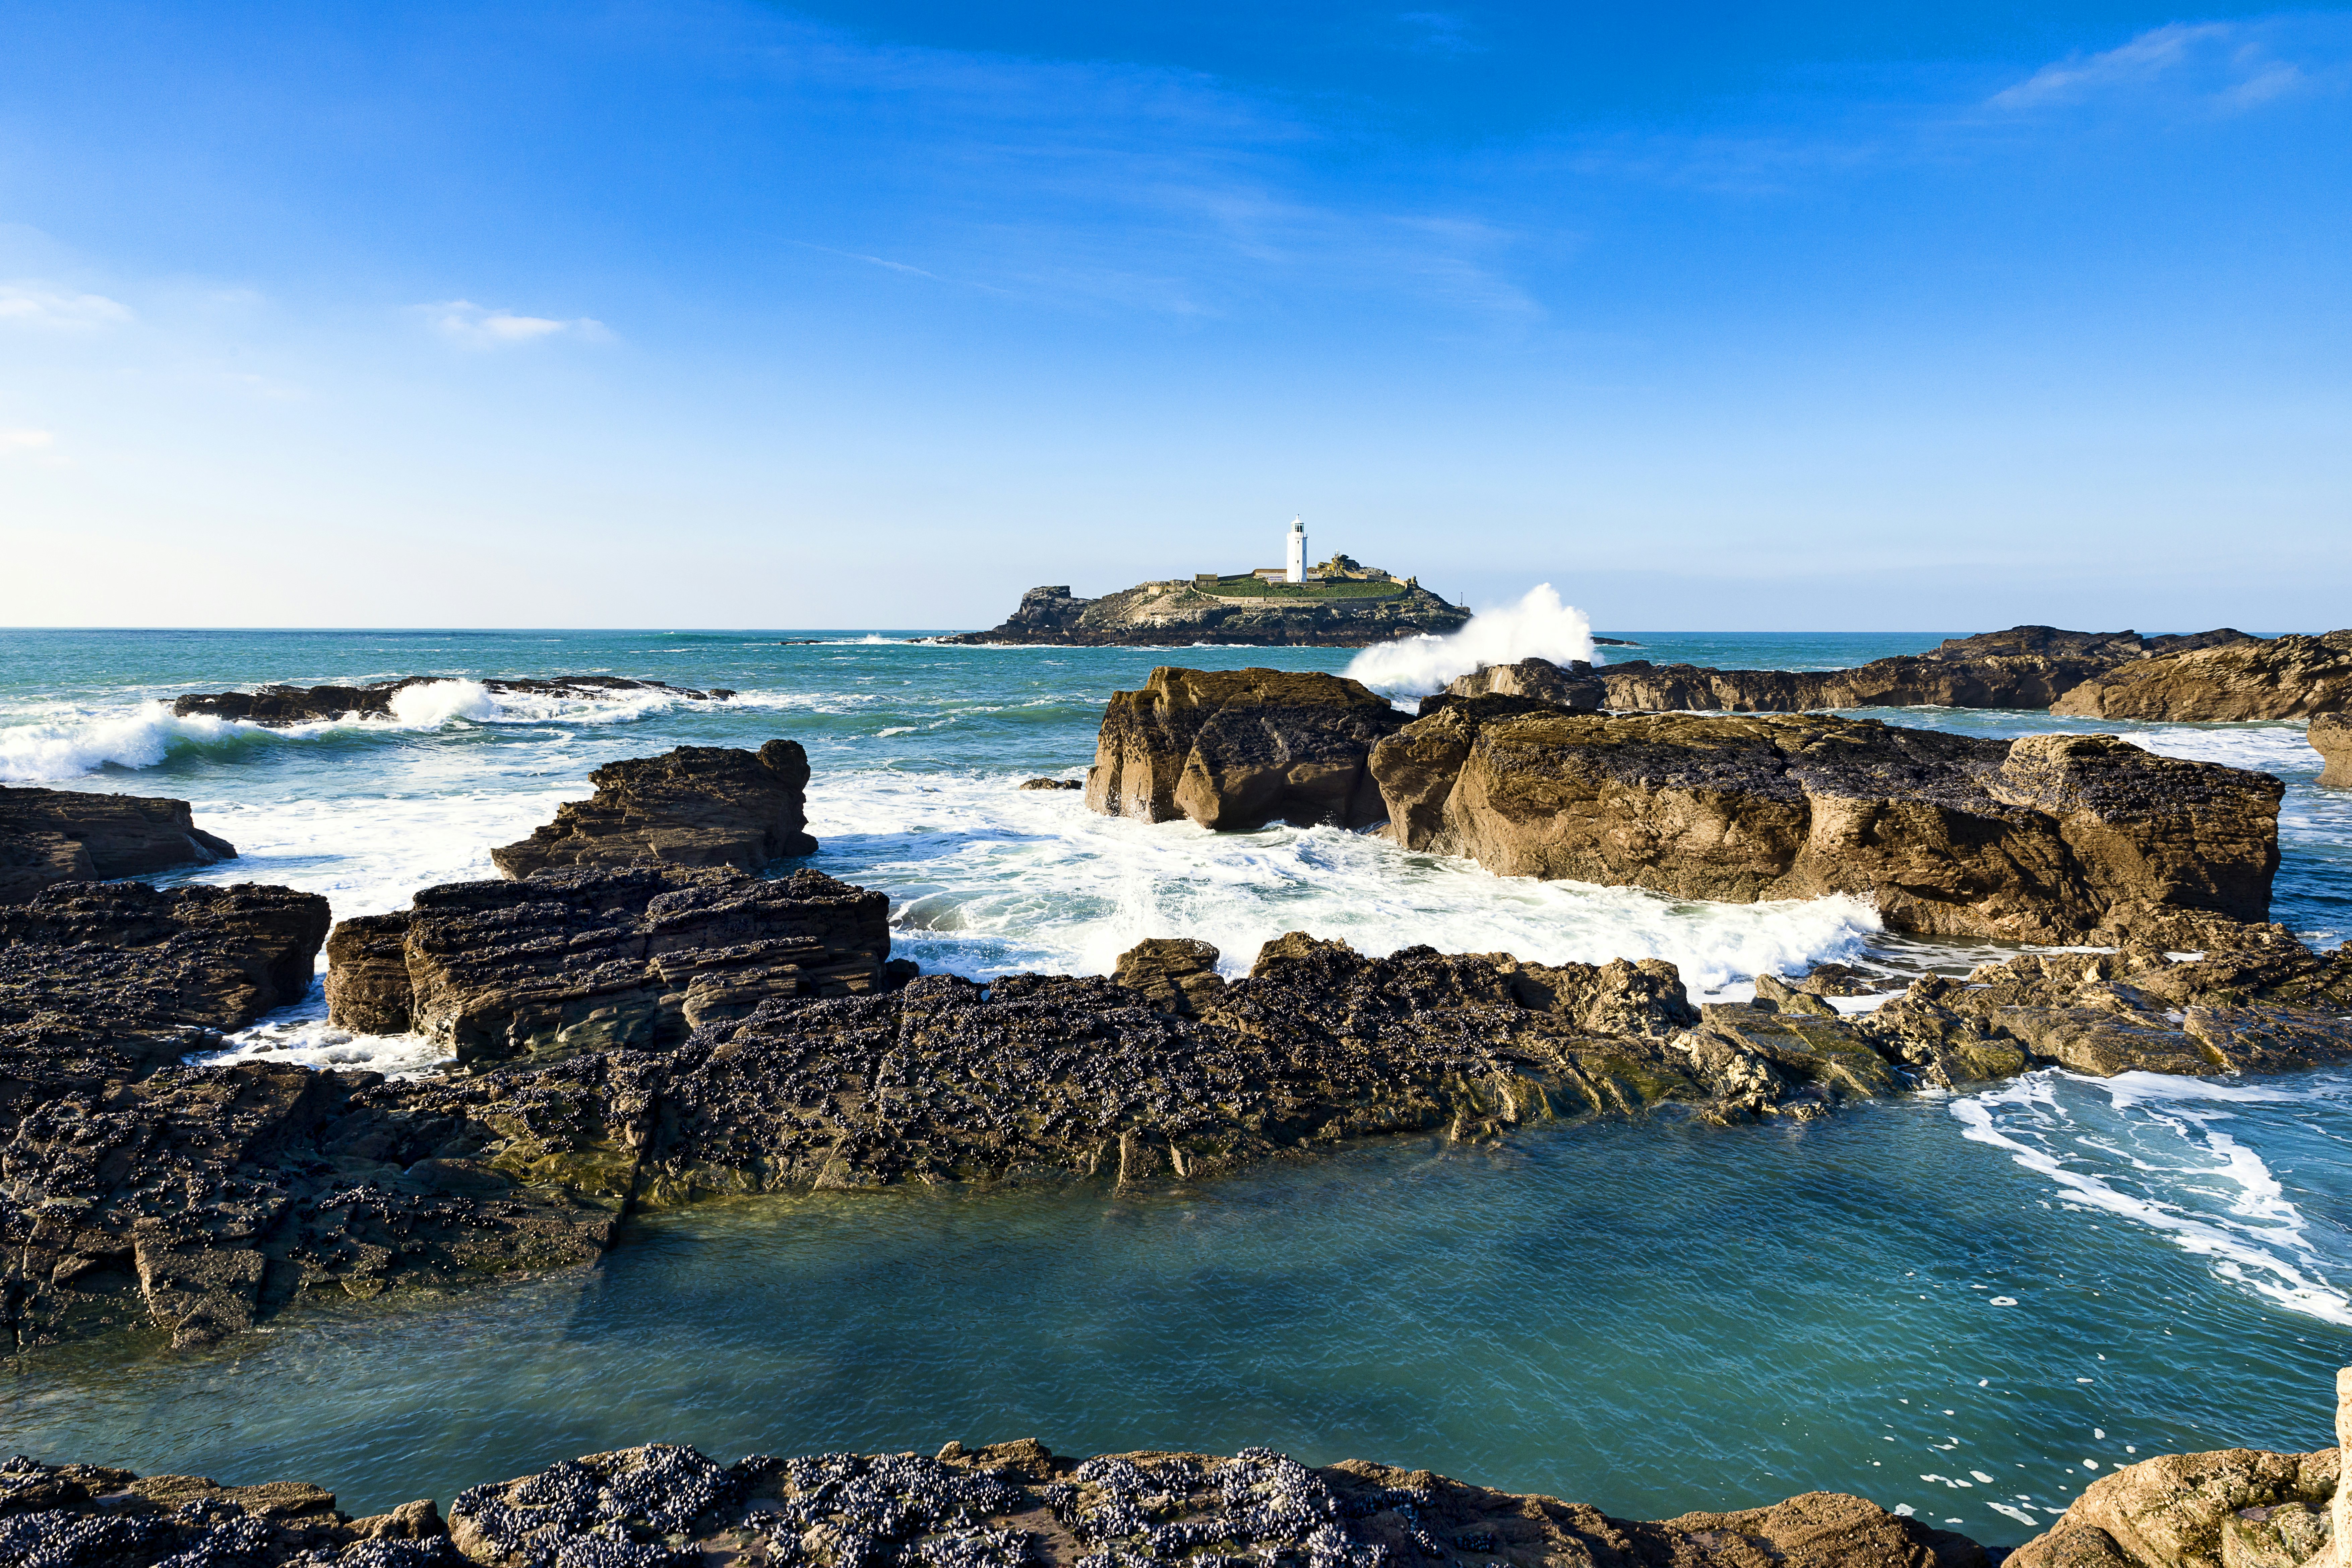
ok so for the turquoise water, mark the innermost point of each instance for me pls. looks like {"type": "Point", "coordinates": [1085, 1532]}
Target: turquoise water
{"type": "Point", "coordinates": [1650, 1318]}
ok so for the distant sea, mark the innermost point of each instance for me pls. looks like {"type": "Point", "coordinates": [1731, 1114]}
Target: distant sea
{"type": "Point", "coordinates": [1651, 1319]}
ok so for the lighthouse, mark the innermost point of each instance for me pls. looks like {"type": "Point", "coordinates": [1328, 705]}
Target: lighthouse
{"type": "Point", "coordinates": [1297, 572]}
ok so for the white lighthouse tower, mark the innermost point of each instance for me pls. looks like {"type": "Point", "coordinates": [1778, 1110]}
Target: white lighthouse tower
{"type": "Point", "coordinates": [1297, 572]}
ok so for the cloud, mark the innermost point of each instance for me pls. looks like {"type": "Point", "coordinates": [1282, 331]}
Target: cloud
{"type": "Point", "coordinates": [478, 326]}
{"type": "Point", "coordinates": [30, 305]}
{"type": "Point", "coordinates": [2222, 64]}
{"type": "Point", "coordinates": [33, 443]}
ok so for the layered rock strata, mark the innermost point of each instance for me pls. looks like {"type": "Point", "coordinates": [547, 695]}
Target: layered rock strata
{"type": "Point", "coordinates": [282, 705]}
{"type": "Point", "coordinates": [592, 960]}
{"type": "Point", "coordinates": [151, 976]}
{"type": "Point", "coordinates": [1007, 1505]}
{"type": "Point", "coordinates": [1575, 687]}
{"type": "Point", "coordinates": [2039, 839]}
{"type": "Point", "coordinates": [2292, 677]}
{"type": "Point", "coordinates": [2331, 737]}
{"type": "Point", "coordinates": [695, 806]}
{"type": "Point", "coordinates": [204, 1198]}
{"type": "Point", "coordinates": [2024, 667]}
{"type": "Point", "coordinates": [1176, 613]}
{"type": "Point", "coordinates": [1241, 748]}
{"type": "Point", "coordinates": [50, 835]}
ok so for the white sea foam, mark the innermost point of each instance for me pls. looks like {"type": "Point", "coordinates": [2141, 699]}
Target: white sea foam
{"type": "Point", "coordinates": [70, 744]}
{"type": "Point", "coordinates": [2156, 1154]}
{"type": "Point", "coordinates": [1538, 627]}
{"type": "Point", "coordinates": [433, 703]}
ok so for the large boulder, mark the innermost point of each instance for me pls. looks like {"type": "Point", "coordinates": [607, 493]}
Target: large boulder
{"type": "Point", "coordinates": [153, 972]}
{"type": "Point", "coordinates": [1575, 687]}
{"type": "Point", "coordinates": [2291, 677]}
{"type": "Point", "coordinates": [2041, 839]}
{"type": "Point", "coordinates": [585, 960]}
{"type": "Point", "coordinates": [697, 806]}
{"type": "Point", "coordinates": [2331, 737]}
{"type": "Point", "coordinates": [1241, 748]}
{"type": "Point", "coordinates": [50, 836]}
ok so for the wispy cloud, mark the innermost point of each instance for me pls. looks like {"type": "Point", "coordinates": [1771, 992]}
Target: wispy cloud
{"type": "Point", "coordinates": [473, 326]}
{"type": "Point", "coordinates": [33, 305]}
{"type": "Point", "coordinates": [34, 444]}
{"type": "Point", "coordinates": [2226, 65]}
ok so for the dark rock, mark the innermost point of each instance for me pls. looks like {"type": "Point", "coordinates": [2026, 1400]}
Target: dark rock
{"type": "Point", "coordinates": [1238, 749]}
{"type": "Point", "coordinates": [50, 835]}
{"type": "Point", "coordinates": [279, 705]}
{"type": "Point", "coordinates": [1053, 783]}
{"type": "Point", "coordinates": [697, 806]}
{"type": "Point", "coordinates": [1179, 612]}
{"type": "Point", "coordinates": [2044, 838]}
{"type": "Point", "coordinates": [153, 973]}
{"type": "Point", "coordinates": [2331, 737]}
{"type": "Point", "coordinates": [590, 960]}
{"type": "Point", "coordinates": [1575, 687]}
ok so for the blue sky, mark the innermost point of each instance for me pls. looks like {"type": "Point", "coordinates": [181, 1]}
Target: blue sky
{"type": "Point", "coordinates": [735, 314]}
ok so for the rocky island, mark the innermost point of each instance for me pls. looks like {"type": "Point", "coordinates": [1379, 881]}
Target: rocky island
{"type": "Point", "coordinates": [278, 705]}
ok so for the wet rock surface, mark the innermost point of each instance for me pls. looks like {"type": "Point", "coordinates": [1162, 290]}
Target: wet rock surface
{"type": "Point", "coordinates": [1175, 612]}
{"type": "Point", "coordinates": [2331, 737]}
{"type": "Point", "coordinates": [574, 960]}
{"type": "Point", "coordinates": [279, 705]}
{"type": "Point", "coordinates": [1574, 687]}
{"type": "Point", "coordinates": [695, 806]}
{"type": "Point", "coordinates": [51, 836]}
{"type": "Point", "coordinates": [2023, 667]}
{"type": "Point", "coordinates": [2292, 676]}
{"type": "Point", "coordinates": [150, 974]}
{"type": "Point", "coordinates": [1007, 1505]}
{"type": "Point", "coordinates": [1238, 749]}
{"type": "Point", "coordinates": [2044, 838]}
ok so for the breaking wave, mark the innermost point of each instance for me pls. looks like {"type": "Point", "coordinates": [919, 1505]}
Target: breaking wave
{"type": "Point", "coordinates": [1538, 627]}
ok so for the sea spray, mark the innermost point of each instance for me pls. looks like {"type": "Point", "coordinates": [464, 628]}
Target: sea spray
{"type": "Point", "coordinates": [1538, 627]}
{"type": "Point", "coordinates": [433, 703]}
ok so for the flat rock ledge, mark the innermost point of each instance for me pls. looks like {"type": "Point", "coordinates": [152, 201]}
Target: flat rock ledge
{"type": "Point", "coordinates": [276, 706]}
{"type": "Point", "coordinates": [1006, 1505]}
{"type": "Point", "coordinates": [201, 1200]}
{"type": "Point", "coordinates": [695, 806]}
{"type": "Point", "coordinates": [52, 836]}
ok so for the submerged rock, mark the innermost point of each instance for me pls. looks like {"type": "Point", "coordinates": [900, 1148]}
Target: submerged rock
{"type": "Point", "coordinates": [578, 960]}
{"type": "Point", "coordinates": [2044, 838]}
{"type": "Point", "coordinates": [1237, 749]}
{"type": "Point", "coordinates": [1006, 1505]}
{"type": "Point", "coordinates": [2331, 737]}
{"type": "Point", "coordinates": [50, 835]}
{"type": "Point", "coordinates": [282, 705]}
{"type": "Point", "coordinates": [695, 806]}
{"type": "Point", "coordinates": [2291, 677]}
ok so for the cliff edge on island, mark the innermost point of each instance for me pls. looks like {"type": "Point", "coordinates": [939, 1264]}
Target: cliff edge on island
{"type": "Point", "coordinates": [1337, 612]}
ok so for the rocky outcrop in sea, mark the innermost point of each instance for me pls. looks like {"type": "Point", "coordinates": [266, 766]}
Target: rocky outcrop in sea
{"type": "Point", "coordinates": [2292, 677]}
{"type": "Point", "coordinates": [1574, 687]}
{"type": "Point", "coordinates": [281, 705]}
{"type": "Point", "coordinates": [51, 836]}
{"type": "Point", "coordinates": [695, 806]}
{"type": "Point", "coordinates": [2331, 737]}
{"type": "Point", "coordinates": [1006, 1505]}
{"type": "Point", "coordinates": [1177, 612]}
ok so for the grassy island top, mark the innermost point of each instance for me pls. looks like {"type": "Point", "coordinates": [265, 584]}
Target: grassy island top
{"type": "Point", "coordinates": [1338, 578]}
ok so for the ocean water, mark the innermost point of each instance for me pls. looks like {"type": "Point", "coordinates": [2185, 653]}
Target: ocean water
{"type": "Point", "coordinates": [1899, 1301]}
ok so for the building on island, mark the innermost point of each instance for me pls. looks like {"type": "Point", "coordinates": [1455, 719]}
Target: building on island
{"type": "Point", "coordinates": [1296, 572]}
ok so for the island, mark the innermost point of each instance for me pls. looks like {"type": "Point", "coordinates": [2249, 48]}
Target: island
{"type": "Point", "coordinates": [1338, 603]}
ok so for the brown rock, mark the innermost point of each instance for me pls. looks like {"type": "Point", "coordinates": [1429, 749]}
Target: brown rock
{"type": "Point", "coordinates": [2192, 1510]}
{"type": "Point", "coordinates": [697, 806]}
{"type": "Point", "coordinates": [2036, 839]}
{"type": "Point", "coordinates": [1239, 748]}
{"type": "Point", "coordinates": [1575, 687]}
{"type": "Point", "coordinates": [1053, 783]}
{"type": "Point", "coordinates": [1174, 973]}
{"type": "Point", "coordinates": [2331, 737]}
{"type": "Point", "coordinates": [2292, 676]}
{"type": "Point", "coordinates": [50, 835]}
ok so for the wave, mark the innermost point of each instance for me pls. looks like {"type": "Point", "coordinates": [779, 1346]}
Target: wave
{"type": "Point", "coordinates": [54, 749]}
{"type": "Point", "coordinates": [1538, 627]}
{"type": "Point", "coordinates": [2155, 1154]}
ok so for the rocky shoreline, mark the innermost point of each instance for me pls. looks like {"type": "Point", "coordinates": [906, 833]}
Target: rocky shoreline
{"type": "Point", "coordinates": [1174, 613]}
{"type": "Point", "coordinates": [51, 836]}
{"type": "Point", "coordinates": [1019, 1505]}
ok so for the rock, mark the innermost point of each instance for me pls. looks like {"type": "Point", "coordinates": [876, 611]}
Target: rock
{"type": "Point", "coordinates": [1238, 749]}
{"type": "Point", "coordinates": [1172, 972]}
{"type": "Point", "coordinates": [2292, 676]}
{"type": "Point", "coordinates": [50, 835]}
{"type": "Point", "coordinates": [2041, 839]}
{"type": "Point", "coordinates": [1053, 783]}
{"type": "Point", "coordinates": [2331, 737]}
{"type": "Point", "coordinates": [1778, 995]}
{"type": "Point", "coordinates": [278, 706]}
{"type": "Point", "coordinates": [153, 973]}
{"type": "Point", "coordinates": [695, 806]}
{"type": "Point", "coordinates": [1575, 687]}
{"type": "Point", "coordinates": [2234, 1509]}
{"type": "Point", "coordinates": [590, 960]}
{"type": "Point", "coordinates": [1177, 613]}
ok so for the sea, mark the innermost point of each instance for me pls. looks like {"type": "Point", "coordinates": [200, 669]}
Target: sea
{"type": "Point", "coordinates": [1964, 1307]}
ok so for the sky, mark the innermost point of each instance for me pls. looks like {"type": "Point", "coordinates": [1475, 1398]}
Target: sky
{"type": "Point", "coordinates": [1807, 317]}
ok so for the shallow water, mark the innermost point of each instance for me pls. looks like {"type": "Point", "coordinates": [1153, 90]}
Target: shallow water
{"type": "Point", "coordinates": [1651, 1319]}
